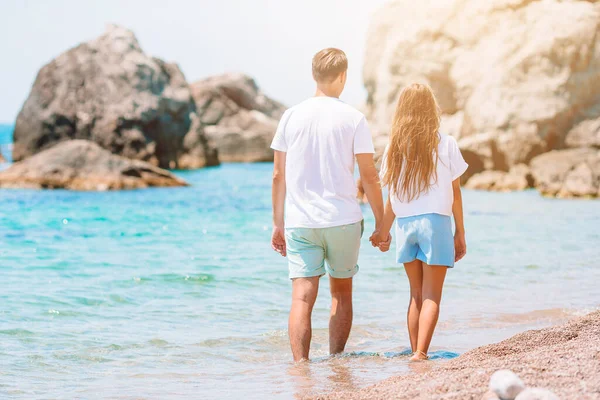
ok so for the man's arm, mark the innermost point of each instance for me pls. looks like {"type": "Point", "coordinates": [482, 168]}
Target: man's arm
{"type": "Point", "coordinates": [385, 239]}
{"type": "Point", "coordinates": [460, 243]}
{"type": "Point", "coordinates": [278, 197]}
{"type": "Point", "coordinates": [370, 181]}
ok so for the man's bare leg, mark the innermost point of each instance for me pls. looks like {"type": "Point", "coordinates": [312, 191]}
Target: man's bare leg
{"type": "Point", "coordinates": [340, 321]}
{"type": "Point", "coordinates": [304, 294]}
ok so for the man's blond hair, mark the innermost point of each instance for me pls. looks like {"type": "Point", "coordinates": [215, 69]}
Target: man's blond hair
{"type": "Point", "coordinates": [328, 64]}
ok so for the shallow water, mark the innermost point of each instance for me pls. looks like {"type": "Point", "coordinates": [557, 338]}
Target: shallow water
{"type": "Point", "coordinates": [175, 293]}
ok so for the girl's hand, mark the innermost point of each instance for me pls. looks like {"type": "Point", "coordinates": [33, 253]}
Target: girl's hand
{"type": "Point", "coordinates": [460, 246]}
{"type": "Point", "coordinates": [385, 246]}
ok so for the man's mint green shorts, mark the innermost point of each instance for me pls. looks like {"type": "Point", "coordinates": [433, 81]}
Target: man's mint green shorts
{"type": "Point", "coordinates": [314, 251]}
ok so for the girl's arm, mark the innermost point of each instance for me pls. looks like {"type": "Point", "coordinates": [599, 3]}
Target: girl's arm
{"type": "Point", "coordinates": [460, 244]}
{"type": "Point", "coordinates": [385, 239]}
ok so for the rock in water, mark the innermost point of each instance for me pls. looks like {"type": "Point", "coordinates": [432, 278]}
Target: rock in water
{"type": "Point", "coordinates": [486, 180]}
{"type": "Point", "coordinates": [536, 394]}
{"type": "Point", "coordinates": [518, 178]}
{"type": "Point", "coordinates": [506, 384]}
{"type": "Point", "coordinates": [568, 173]}
{"type": "Point", "coordinates": [84, 165]}
{"type": "Point", "coordinates": [519, 75]}
{"type": "Point", "coordinates": [2, 160]}
{"type": "Point", "coordinates": [238, 118]}
{"type": "Point", "coordinates": [585, 134]}
{"type": "Point", "coordinates": [109, 91]}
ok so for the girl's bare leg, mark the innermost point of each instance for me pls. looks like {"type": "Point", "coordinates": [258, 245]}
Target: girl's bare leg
{"type": "Point", "coordinates": [433, 282]}
{"type": "Point", "coordinates": [414, 271]}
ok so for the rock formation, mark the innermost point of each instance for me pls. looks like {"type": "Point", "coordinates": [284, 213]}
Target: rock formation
{"type": "Point", "coordinates": [568, 173]}
{"type": "Point", "coordinates": [109, 91]}
{"type": "Point", "coordinates": [518, 178]}
{"type": "Point", "coordinates": [84, 165]}
{"type": "Point", "coordinates": [239, 120]}
{"type": "Point", "coordinates": [514, 78]}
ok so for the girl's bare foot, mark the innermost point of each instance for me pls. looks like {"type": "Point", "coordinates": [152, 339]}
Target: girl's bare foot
{"type": "Point", "coordinates": [419, 356]}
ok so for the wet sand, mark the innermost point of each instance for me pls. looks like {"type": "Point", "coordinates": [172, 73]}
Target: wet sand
{"type": "Point", "coordinates": [563, 358]}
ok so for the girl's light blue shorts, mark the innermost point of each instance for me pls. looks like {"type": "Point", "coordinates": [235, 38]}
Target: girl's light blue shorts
{"type": "Point", "coordinates": [426, 237]}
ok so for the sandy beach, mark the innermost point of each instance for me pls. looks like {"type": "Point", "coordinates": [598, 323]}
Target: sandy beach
{"type": "Point", "coordinates": [563, 358]}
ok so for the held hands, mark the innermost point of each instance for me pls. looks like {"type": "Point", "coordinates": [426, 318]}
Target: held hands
{"type": "Point", "coordinates": [381, 240]}
{"type": "Point", "coordinates": [278, 240]}
{"type": "Point", "coordinates": [460, 246]}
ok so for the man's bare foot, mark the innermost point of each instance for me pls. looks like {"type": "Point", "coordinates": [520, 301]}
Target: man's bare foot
{"type": "Point", "coordinates": [419, 356]}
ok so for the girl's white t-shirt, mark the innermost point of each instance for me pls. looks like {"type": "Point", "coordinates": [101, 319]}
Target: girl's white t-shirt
{"type": "Point", "coordinates": [438, 200]}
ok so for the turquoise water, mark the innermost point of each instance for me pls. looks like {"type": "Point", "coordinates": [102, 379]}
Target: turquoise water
{"type": "Point", "coordinates": [175, 293]}
{"type": "Point", "coordinates": [6, 140]}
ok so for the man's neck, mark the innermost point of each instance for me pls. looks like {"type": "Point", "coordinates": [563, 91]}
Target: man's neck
{"type": "Point", "coordinates": [325, 92]}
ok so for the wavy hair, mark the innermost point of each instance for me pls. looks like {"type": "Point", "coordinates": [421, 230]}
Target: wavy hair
{"type": "Point", "coordinates": [412, 154]}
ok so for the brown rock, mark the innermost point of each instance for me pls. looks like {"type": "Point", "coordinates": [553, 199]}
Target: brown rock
{"type": "Point", "coordinates": [84, 165]}
{"type": "Point", "coordinates": [486, 180]}
{"type": "Point", "coordinates": [485, 147]}
{"type": "Point", "coordinates": [525, 73]}
{"type": "Point", "coordinates": [518, 178]}
{"type": "Point", "coordinates": [579, 182]}
{"type": "Point", "coordinates": [585, 134]}
{"type": "Point", "coordinates": [568, 173]}
{"type": "Point", "coordinates": [109, 91]}
{"type": "Point", "coordinates": [238, 118]}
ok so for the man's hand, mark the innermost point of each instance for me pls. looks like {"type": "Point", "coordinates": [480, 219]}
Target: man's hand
{"type": "Point", "coordinates": [375, 238]}
{"type": "Point", "coordinates": [278, 240]}
{"type": "Point", "coordinates": [460, 246]}
{"type": "Point", "coordinates": [378, 238]}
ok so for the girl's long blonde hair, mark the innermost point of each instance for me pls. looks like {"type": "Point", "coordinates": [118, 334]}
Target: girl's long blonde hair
{"type": "Point", "coordinates": [412, 154]}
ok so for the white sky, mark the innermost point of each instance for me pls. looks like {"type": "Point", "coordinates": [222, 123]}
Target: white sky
{"type": "Point", "coordinates": [271, 40]}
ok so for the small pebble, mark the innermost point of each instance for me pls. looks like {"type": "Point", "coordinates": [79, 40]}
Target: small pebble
{"type": "Point", "coordinates": [506, 384]}
{"type": "Point", "coordinates": [490, 396]}
{"type": "Point", "coordinates": [536, 394]}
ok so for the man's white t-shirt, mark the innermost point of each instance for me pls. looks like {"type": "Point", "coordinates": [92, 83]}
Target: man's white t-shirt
{"type": "Point", "coordinates": [438, 200]}
{"type": "Point", "coordinates": [321, 137]}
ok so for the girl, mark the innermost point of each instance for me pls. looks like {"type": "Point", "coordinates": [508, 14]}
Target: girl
{"type": "Point", "coordinates": [421, 168]}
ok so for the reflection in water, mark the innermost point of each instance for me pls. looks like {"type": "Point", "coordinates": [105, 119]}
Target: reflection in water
{"type": "Point", "coordinates": [345, 372]}
{"type": "Point", "coordinates": [301, 379]}
{"type": "Point", "coordinates": [341, 376]}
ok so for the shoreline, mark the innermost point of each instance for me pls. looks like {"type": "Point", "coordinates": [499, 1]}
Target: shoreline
{"type": "Point", "coordinates": [563, 358]}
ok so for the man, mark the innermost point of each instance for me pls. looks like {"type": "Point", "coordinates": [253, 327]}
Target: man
{"type": "Point", "coordinates": [316, 145]}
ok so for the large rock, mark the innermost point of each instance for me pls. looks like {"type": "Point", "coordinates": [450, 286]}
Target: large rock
{"type": "Point", "coordinates": [518, 178]}
{"type": "Point", "coordinates": [568, 173]}
{"type": "Point", "coordinates": [84, 165]}
{"type": "Point", "coordinates": [109, 91]}
{"type": "Point", "coordinates": [238, 118]}
{"type": "Point", "coordinates": [512, 82]}
{"type": "Point", "coordinates": [585, 134]}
